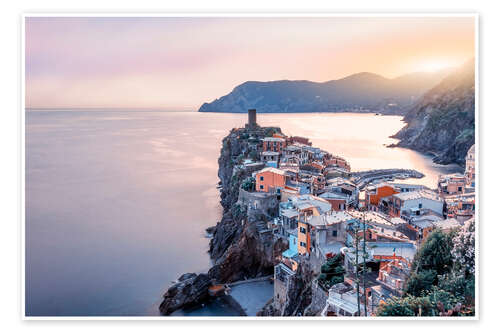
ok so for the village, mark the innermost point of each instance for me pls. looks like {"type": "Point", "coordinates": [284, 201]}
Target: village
{"type": "Point", "coordinates": [335, 220]}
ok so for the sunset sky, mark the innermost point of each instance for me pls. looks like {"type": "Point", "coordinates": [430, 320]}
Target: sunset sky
{"type": "Point", "coordinates": [179, 63]}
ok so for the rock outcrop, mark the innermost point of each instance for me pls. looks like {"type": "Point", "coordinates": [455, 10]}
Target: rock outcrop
{"type": "Point", "coordinates": [442, 122]}
{"type": "Point", "coordinates": [240, 245]}
{"type": "Point", "coordinates": [189, 290]}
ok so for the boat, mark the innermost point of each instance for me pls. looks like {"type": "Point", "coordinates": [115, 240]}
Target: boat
{"type": "Point", "coordinates": [217, 290]}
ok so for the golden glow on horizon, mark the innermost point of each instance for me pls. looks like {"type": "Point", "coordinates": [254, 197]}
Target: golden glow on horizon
{"type": "Point", "coordinates": [181, 63]}
{"type": "Point", "coordinates": [434, 66]}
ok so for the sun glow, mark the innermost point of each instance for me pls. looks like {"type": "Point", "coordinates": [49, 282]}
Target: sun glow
{"type": "Point", "coordinates": [434, 66]}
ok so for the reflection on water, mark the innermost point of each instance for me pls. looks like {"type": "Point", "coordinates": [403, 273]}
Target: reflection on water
{"type": "Point", "coordinates": [117, 202]}
{"type": "Point", "coordinates": [362, 139]}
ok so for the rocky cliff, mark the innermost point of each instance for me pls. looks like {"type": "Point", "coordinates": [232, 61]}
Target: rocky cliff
{"type": "Point", "coordinates": [189, 290]}
{"type": "Point", "coordinates": [240, 246]}
{"type": "Point", "coordinates": [442, 122]}
{"type": "Point", "coordinates": [362, 92]}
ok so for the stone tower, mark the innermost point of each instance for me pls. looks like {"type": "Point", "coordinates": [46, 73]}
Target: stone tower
{"type": "Point", "coordinates": [252, 118]}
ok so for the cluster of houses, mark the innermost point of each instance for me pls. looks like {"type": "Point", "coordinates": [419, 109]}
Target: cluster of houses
{"type": "Point", "coordinates": [322, 214]}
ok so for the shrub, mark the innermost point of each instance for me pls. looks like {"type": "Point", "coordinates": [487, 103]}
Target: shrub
{"type": "Point", "coordinates": [421, 281]}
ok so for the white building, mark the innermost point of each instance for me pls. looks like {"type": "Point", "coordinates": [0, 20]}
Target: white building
{"type": "Point", "coordinates": [415, 202]}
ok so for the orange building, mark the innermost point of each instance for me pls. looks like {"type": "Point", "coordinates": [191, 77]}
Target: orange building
{"type": "Point", "coordinates": [270, 180]}
{"type": "Point", "coordinates": [304, 238]}
{"type": "Point", "coordinates": [373, 196]}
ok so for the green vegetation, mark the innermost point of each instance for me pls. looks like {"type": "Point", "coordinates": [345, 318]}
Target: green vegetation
{"type": "Point", "coordinates": [465, 135]}
{"type": "Point", "coordinates": [442, 280]}
{"type": "Point", "coordinates": [436, 302]}
{"type": "Point", "coordinates": [332, 272]}
{"type": "Point", "coordinates": [238, 212]}
{"type": "Point", "coordinates": [248, 184]}
{"type": "Point", "coordinates": [269, 131]}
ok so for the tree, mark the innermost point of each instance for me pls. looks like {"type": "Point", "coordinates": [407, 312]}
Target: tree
{"type": "Point", "coordinates": [421, 282]}
{"type": "Point", "coordinates": [463, 251]}
{"type": "Point", "coordinates": [435, 253]}
{"type": "Point", "coordinates": [442, 279]}
{"type": "Point", "coordinates": [396, 307]}
{"type": "Point", "coordinates": [332, 272]}
{"type": "Point", "coordinates": [248, 184]}
{"type": "Point", "coordinates": [435, 302]}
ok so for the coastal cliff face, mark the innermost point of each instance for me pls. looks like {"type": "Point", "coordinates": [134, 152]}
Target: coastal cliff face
{"type": "Point", "coordinates": [361, 92]}
{"type": "Point", "coordinates": [238, 247]}
{"type": "Point", "coordinates": [442, 122]}
{"type": "Point", "coordinates": [241, 247]}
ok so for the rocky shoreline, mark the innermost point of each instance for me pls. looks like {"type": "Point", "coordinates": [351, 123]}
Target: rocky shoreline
{"type": "Point", "coordinates": [238, 248]}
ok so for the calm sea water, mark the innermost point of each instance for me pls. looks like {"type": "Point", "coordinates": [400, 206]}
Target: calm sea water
{"type": "Point", "coordinates": [117, 201]}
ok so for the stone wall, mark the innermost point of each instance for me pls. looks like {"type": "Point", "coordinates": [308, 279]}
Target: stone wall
{"type": "Point", "coordinates": [258, 205]}
{"type": "Point", "coordinates": [318, 300]}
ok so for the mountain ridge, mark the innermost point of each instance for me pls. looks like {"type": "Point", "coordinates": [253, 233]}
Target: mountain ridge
{"type": "Point", "coordinates": [359, 92]}
{"type": "Point", "coordinates": [442, 121]}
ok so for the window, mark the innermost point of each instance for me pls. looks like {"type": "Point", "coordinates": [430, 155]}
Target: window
{"type": "Point", "coordinates": [261, 187]}
{"type": "Point", "coordinates": [334, 233]}
{"type": "Point", "coordinates": [419, 205]}
{"type": "Point", "coordinates": [303, 244]}
{"type": "Point", "coordinates": [261, 178]}
{"type": "Point", "coordinates": [303, 230]}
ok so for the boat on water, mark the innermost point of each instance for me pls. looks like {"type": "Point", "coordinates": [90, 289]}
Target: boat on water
{"type": "Point", "coordinates": [218, 290]}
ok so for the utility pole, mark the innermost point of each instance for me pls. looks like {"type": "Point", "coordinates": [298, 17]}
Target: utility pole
{"type": "Point", "coordinates": [357, 264]}
{"type": "Point", "coordinates": [364, 259]}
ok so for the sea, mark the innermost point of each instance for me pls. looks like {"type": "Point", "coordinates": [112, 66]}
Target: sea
{"type": "Point", "coordinates": [117, 201]}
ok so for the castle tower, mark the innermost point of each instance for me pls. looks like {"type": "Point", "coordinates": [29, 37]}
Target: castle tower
{"type": "Point", "coordinates": [252, 118]}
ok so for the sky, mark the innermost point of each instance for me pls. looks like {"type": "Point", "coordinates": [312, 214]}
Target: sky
{"type": "Point", "coordinates": [180, 63]}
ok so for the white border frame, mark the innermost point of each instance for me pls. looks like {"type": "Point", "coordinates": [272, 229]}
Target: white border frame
{"type": "Point", "coordinates": [229, 14]}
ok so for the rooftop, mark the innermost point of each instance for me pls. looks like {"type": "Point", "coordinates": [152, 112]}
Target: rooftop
{"type": "Point", "coordinates": [422, 224]}
{"type": "Point", "coordinates": [272, 139]}
{"type": "Point", "coordinates": [397, 220]}
{"type": "Point", "coordinates": [305, 201]}
{"type": "Point", "coordinates": [447, 224]}
{"type": "Point", "coordinates": [273, 170]}
{"type": "Point", "coordinates": [420, 194]}
{"type": "Point", "coordinates": [372, 217]}
{"type": "Point", "coordinates": [290, 213]}
{"type": "Point", "coordinates": [333, 247]}
{"type": "Point", "coordinates": [390, 233]}
{"type": "Point", "coordinates": [402, 249]}
{"type": "Point", "coordinates": [333, 195]}
{"type": "Point", "coordinates": [330, 218]}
